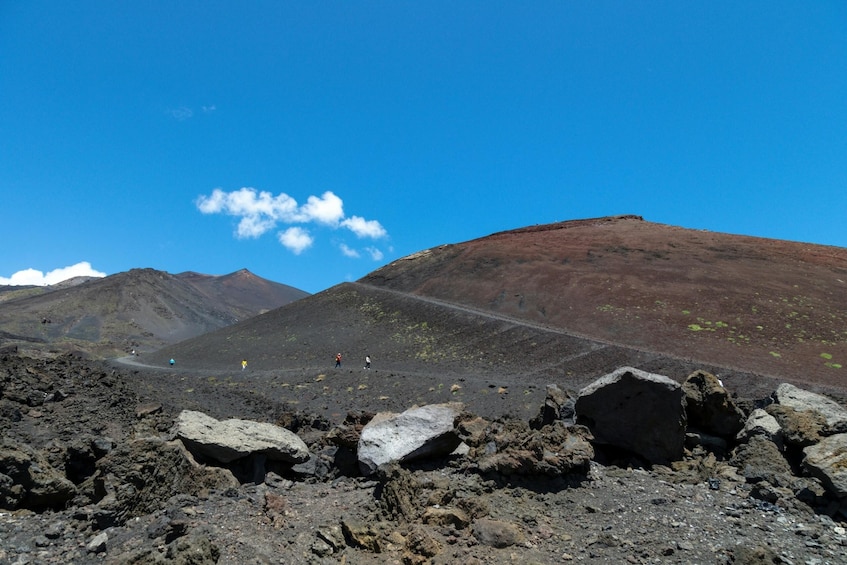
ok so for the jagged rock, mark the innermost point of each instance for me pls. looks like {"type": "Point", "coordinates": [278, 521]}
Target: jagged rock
{"type": "Point", "coordinates": [757, 555]}
{"type": "Point", "coordinates": [363, 535]}
{"type": "Point", "coordinates": [827, 461]}
{"type": "Point", "coordinates": [228, 440]}
{"type": "Point", "coordinates": [420, 547]}
{"type": "Point", "coordinates": [27, 480]}
{"type": "Point", "coordinates": [197, 549]}
{"type": "Point", "coordinates": [760, 423]}
{"type": "Point", "coordinates": [799, 428]}
{"type": "Point", "coordinates": [472, 429]}
{"type": "Point", "coordinates": [558, 405]}
{"type": "Point", "coordinates": [417, 433]}
{"type": "Point", "coordinates": [454, 517]}
{"type": "Point", "coordinates": [512, 448]}
{"type": "Point", "coordinates": [155, 470]}
{"type": "Point", "coordinates": [801, 400]}
{"type": "Point", "coordinates": [348, 432]}
{"type": "Point", "coordinates": [148, 409]}
{"type": "Point", "coordinates": [193, 550]}
{"type": "Point", "coordinates": [399, 493]}
{"type": "Point", "coordinates": [760, 459]}
{"type": "Point", "coordinates": [637, 411]}
{"type": "Point", "coordinates": [709, 407]}
{"type": "Point", "coordinates": [495, 533]}
{"type": "Point", "coordinates": [332, 537]}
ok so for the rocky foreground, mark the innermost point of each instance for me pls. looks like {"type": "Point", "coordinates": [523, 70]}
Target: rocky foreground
{"type": "Point", "coordinates": [634, 468]}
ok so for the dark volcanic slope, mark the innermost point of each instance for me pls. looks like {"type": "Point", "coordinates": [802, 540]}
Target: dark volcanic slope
{"type": "Point", "coordinates": [140, 309]}
{"type": "Point", "coordinates": [772, 307]}
{"type": "Point", "coordinates": [420, 347]}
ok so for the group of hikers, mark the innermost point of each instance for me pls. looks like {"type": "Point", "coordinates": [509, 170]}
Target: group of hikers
{"type": "Point", "coordinates": [367, 361]}
{"type": "Point", "coordinates": [244, 361]}
{"type": "Point", "coordinates": [337, 362]}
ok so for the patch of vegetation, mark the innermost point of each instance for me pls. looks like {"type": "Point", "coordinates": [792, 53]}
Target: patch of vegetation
{"type": "Point", "coordinates": [829, 363]}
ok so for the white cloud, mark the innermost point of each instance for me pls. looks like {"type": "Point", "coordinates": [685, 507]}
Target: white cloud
{"type": "Point", "coordinates": [328, 209]}
{"type": "Point", "coordinates": [364, 228]}
{"type": "Point", "coordinates": [181, 114]}
{"type": "Point", "coordinates": [209, 109]}
{"type": "Point", "coordinates": [375, 253]}
{"type": "Point", "coordinates": [296, 239]}
{"type": "Point", "coordinates": [37, 278]}
{"type": "Point", "coordinates": [261, 211]}
{"type": "Point", "coordinates": [348, 251]}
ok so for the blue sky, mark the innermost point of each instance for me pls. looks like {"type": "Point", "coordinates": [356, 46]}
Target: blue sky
{"type": "Point", "coordinates": [313, 142]}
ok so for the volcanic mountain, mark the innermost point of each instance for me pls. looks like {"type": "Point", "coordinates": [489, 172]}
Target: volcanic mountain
{"type": "Point", "coordinates": [141, 309]}
{"type": "Point", "coordinates": [572, 299]}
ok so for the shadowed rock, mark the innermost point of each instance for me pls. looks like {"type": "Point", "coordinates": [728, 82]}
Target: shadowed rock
{"type": "Point", "coordinates": [637, 411]}
{"type": "Point", "coordinates": [558, 405]}
{"type": "Point", "coordinates": [27, 480]}
{"type": "Point", "coordinates": [709, 407]}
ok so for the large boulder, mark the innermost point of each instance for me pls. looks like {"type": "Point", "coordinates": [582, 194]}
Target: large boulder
{"type": "Point", "coordinates": [709, 407]}
{"type": "Point", "coordinates": [801, 400]}
{"type": "Point", "coordinates": [227, 440]}
{"type": "Point", "coordinates": [638, 411]}
{"type": "Point", "coordinates": [420, 432]}
{"type": "Point", "coordinates": [827, 461]}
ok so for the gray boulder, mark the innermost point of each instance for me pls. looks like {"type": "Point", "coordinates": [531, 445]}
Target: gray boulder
{"type": "Point", "coordinates": [635, 410]}
{"type": "Point", "coordinates": [760, 423]}
{"type": "Point", "coordinates": [417, 433]}
{"type": "Point", "coordinates": [827, 461]}
{"type": "Point", "coordinates": [801, 400]}
{"type": "Point", "coordinates": [709, 407]}
{"type": "Point", "coordinates": [228, 440]}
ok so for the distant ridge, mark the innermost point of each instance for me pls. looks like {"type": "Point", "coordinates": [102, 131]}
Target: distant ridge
{"type": "Point", "coordinates": [141, 309]}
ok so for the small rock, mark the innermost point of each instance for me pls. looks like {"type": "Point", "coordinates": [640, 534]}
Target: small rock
{"type": "Point", "coordinates": [98, 544]}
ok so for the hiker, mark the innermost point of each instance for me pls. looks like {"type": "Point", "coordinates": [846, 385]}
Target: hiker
{"type": "Point", "coordinates": [338, 360]}
{"type": "Point", "coordinates": [172, 362]}
{"type": "Point", "coordinates": [243, 364]}
{"type": "Point", "coordinates": [367, 361]}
